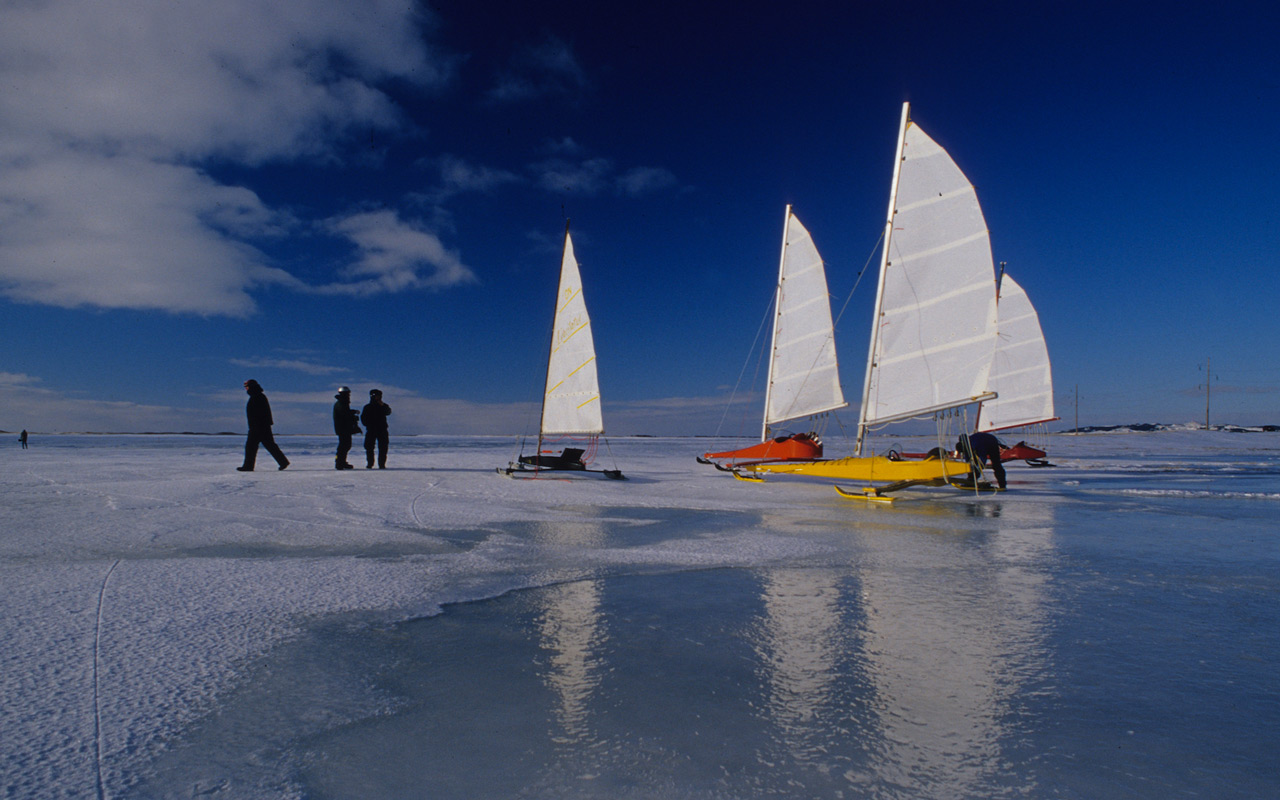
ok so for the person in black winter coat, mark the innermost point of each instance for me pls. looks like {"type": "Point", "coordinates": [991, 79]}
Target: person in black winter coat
{"type": "Point", "coordinates": [374, 416]}
{"type": "Point", "coordinates": [345, 424]}
{"type": "Point", "coordinates": [258, 411]}
{"type": "Point", "coordinates": [979, 447]}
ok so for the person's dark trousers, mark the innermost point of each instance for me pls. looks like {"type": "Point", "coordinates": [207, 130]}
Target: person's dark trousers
{"type": "Point", "coordinates": [344, 447]}
{"type": "Point", "coordinates": [998, 469]}
{"type": "Point", "coordinates": [381, 439]}
{"type": "Point", "coordinates": [268, 442]}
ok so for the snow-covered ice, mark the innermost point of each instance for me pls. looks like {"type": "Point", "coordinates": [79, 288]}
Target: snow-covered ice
{"type": "Point", "coordinates": [173, 628]}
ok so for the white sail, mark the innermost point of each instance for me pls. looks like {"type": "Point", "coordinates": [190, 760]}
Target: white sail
{"type": "Point", "coordinates": [1020, 373]}
{"type": "Point", "coordinates": [933, 333]}
{"type": "Point", "coordinates": [804, 377]}
{"type": "Point", "coordinates": [571, 403]}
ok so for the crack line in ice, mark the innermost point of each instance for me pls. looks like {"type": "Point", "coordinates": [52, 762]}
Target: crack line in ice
{"type": "Point", "coordinates": [97, 710]}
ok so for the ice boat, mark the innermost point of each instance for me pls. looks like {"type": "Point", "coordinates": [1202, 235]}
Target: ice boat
{"type": "Point", "coordinates": [571, 399]}
{"type": "Point", "coordinates": [804, 379]}
{"type": "Point", "coordinates": [933, 331]}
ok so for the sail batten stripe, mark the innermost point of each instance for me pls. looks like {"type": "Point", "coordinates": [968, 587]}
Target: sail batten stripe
{"type": "Point", "coordinates": [958, 344]}
{"type": "Point", "coordinates": [576, 292]}
{"type": "Point", "coordinates": [941, 198]}
{"type": "Point", "coordinates": [917, 306]}
{"type": "Point", "coordinates": [942, 248]}
{"type": "Point", "coordinates": [566, 339]}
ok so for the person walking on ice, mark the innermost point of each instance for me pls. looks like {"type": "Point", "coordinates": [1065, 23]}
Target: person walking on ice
{"type": "Point", "coordinates": [374, 416]}
{"type": "Point", "coordinates": [22, 437]}
{"type": "Point", "coordinates": [258, 411]}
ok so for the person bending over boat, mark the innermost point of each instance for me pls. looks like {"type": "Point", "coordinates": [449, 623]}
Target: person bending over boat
{"type": "Point", "coordinates": [978, 447]}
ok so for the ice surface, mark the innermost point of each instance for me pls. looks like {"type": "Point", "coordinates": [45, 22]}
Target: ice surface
{"type": "Point", "coordinates": [173, 628]}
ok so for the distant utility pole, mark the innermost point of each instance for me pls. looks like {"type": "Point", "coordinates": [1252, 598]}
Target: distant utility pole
{"type": "Point", "coordinates": [1077, 408]}
{"type": "Point", "coordinates": [1208, 381]}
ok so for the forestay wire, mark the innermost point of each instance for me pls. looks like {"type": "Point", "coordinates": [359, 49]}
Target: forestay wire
{"type": "Point", "coordinates": [768, 312]}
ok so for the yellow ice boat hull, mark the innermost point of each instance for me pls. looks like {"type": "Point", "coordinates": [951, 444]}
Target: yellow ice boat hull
{"type": "Point", "coordinates": [869, 468]}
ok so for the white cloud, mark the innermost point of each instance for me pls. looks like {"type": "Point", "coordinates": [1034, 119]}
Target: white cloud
{"type": "Point", "coordinates": [26, 403]}
{"type": "Point", "coordinates": [243, 79]}
{"type": "Point", "coordinates": [593, 176]}
{"type": "Point", "coordinates": [684, 416]}
{"type": "Point", "coordinates": [9, 379]}
{"type": "Point", "coordinates": [128, 232]}
{"type": "Point", "coordinates": [645, 180]}
{"type": "Point", "coordinates": [589, 176]}
{"type": "Point", "coordinates": [565, 146]}
{"type": "Point", "coordinates": [395, 255]}
{"type": "Point", "coordinates": [457, 176]}
{"type": "Point", "coordinates": [109, 110]}
{"type": "Point", "coordinates": [547, 69]}
{"type": "Point", "coordinates": [295, 365]}
{"type": "Point", "coordinates": [45, 410]}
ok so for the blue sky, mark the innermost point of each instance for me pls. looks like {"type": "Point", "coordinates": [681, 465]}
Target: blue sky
{"type": "Point", "coordinates": [373, 193]}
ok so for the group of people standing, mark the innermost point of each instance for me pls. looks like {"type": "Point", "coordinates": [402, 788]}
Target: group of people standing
{"type": "Point", "coordinates": [346, 423]}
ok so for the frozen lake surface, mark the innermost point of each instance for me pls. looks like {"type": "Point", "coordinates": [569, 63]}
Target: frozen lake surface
{"type": "Point", "coordinates": [172, 628]}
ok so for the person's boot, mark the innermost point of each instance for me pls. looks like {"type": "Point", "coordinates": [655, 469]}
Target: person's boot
{"type": "Point", "coordinates": [244, 469]}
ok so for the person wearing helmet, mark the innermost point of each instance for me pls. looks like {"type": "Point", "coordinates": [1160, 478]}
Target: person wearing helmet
{"type": "Point", "coordinates": [374, 416]}
{"type": "Point", "coordinates": [346, 423]}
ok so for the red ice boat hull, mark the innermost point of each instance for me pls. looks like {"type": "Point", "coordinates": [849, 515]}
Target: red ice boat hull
{"type": "Point", "coordinates": [1022, 452]}
{"type": "Point", "coordinates": [785, 448]}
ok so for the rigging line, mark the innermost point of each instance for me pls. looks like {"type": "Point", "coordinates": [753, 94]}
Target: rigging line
{"type": "Point", "coordinates": [858, 278]}
{"type": "Point", "coordinates": [612, 457]}
{"type": "Point", "coordinates": [97, 706]}
{"type": "Point", "coordinates": [754, 380]}
{"type": "Point", "coordinates": [743, 371]}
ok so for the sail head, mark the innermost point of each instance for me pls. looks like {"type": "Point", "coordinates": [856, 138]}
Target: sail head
{"type": "Point", "coordinates": [804, 377]}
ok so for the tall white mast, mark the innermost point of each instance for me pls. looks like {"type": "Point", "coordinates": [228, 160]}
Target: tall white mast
{"type": "Point", "coordinates": [542, 415]}
{"type": "Point", "coordinates": [777, 313]}
{"type": "Point", "coordinates": [884, 264]}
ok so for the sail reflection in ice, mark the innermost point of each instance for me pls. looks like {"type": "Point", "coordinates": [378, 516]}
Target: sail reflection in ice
{"type": "Point", "coordinates": [905, 668]}
{"type": "Point", "coordinates": [802, 642]}
{"type": "Point", "coordinates": [949, 652]}
{"type": "Point", "coordinates": [571, 633]}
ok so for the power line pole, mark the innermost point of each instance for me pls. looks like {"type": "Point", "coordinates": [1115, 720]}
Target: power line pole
{"type": "Point", "coordinates": [1208, 379]}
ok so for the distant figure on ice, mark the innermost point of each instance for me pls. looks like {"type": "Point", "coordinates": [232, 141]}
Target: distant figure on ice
{"type": "Point", "coordinates": [22, 437]}
{"type": "Point", "coordinates": [374, 416]}
{"type": "Point", "coordinates": [979, 447]}
{"type": "Point", "coordinates": [259, 412]}
{"type": "Point", "coordinates": [346, 423]}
